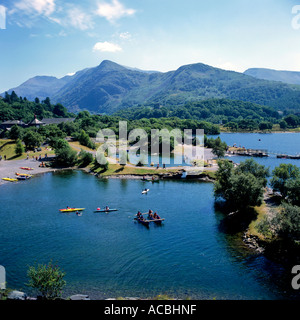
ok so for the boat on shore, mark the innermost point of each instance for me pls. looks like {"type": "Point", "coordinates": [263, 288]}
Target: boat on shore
{"type": "Point", "coordinates": [23, 174]}
{"type": "Point", "coordinates": [10, 179]}
{"type": "Point", "coordinates": [26, 168]}
{"type": "Point", "coordinates": [21, 177]}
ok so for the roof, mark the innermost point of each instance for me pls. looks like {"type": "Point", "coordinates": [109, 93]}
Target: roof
{"type": "Point", "coordinates": [57, 120]}
{"type": "Point", "coordinates": [35, 121]}
{"type": "Point", "coordinates": [12, 122]}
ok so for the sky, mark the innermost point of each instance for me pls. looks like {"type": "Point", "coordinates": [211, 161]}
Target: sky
{"type": "Point", "coordinates": [55, 37]}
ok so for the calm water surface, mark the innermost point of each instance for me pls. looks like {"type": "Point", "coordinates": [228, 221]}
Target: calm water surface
{"type": "Point", "coordinates": [110, 255]}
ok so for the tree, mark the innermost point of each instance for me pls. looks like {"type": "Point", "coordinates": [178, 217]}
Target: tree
{"type": "Point", "coordinates": [219, 148]}
{"type": "Point", "coordinates": [19, 149]}
{"type": "Point", "coordinates": [65, 155]}
{"type": "Point", "coordinates": [265, 126]}
{"type": "Point", "coordinates": [85, 140]}
{"type": "Point", "coordinates": [16, 132]}
{"type": "Point", "coordinates": [251, 166]}
{"type": "Point", "coordinates": [240, 187]}
{"type": "Point", "coordinates": [85, 158]}
{"type": "Point", "coordinates": [47, 279]}
{"type": "Point", "coordinates": [292, 120]}
{"type": "Point", "coordinates": [283, 125]}
{"type": "Point", "coordinates": [59, 110]}
{"type": "Point", "coordinates": [32, 139]}
{"type": "Point", "coordinates": [282, 176]}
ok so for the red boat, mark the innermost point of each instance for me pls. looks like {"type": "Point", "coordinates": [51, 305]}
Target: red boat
{"type": "Point", "coordinates": [26, 168]}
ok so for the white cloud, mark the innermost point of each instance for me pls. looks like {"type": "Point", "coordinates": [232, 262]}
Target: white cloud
{"type": "Point", "coordinates": [79, 19]}
{"type": "Point", "coordinates": [45, 7]}
{"type": "Point", "coordinates": [113, 11]}
{"type": "Point", "coordinates": [125, 36]}
{"type": "Point", "coordinates": [106, 47]}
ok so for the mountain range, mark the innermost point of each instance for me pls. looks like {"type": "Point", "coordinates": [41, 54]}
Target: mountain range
{"type": "Point", "coordinates": [110, 87]}
{"type": "Point", "coordinates": [291, 77]}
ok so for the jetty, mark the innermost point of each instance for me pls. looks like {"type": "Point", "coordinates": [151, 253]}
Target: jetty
{"type": "Point", "coordinates": [247, 152]}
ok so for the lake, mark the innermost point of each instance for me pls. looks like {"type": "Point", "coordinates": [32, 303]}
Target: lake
{"type": "Point", "coordinates": [110, 254]}
{"type": "Point", "coordinates": [273, 143]}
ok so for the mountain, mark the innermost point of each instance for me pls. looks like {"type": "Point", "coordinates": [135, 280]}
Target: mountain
{"type": "Point", "coordinates": [110, 87]}
{"type": "Point", "coordinates": [291, 77]}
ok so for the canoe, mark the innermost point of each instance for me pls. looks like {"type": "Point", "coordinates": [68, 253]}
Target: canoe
{"type": "Point", "coordinates": [23, 174]}
{"type": "Point", "coordinates": [71, 209]}
{"type": "Point", "coordinates": [10, 179]}
{"type": "Point", "coordinates": [103, 210]}
{"type": "Point", "coordinates": [145, 191]}
{"type": "Point", "coordinates": [26, 168]}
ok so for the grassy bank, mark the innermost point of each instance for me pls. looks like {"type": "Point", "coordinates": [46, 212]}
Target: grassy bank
{"type": "Point", "coordinates": [117, 169]}
{"type": "Point", "coordinates": [7, 148]}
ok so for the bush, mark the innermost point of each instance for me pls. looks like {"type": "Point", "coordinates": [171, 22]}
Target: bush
{"type": "Point", "coordinates": [47, 279]}
{"type": "Point", "coordinates": [19, 149]}
{"type": "Point", "coordinates": [85, 158]}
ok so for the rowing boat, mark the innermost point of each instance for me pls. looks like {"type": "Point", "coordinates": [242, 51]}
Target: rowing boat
{"type": "Point", "coordinates": [145, 191]}
{"type": "Point", "coordinates": [108, 210]}
{"type": "Point", "coordinates": [143, 221]}
{"type": "Point", "coordinates": [71, 209]}
{"type": "Point", "coordinates": [158, 221]}
{"type": "Point", "coordinates": [10, 179]}
{"type": "Point", "coordinates": [23, 177]}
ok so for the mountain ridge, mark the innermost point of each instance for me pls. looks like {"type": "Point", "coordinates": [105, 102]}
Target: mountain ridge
{"type": "Point", "coordinates": [291, 77]}
{"type": "Point", "coordinates": [110, 87]}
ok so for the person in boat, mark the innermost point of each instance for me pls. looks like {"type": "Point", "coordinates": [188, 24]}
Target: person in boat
{"type": "Point", "coordinates": [139, 214]}
{"type": "Point", "coordinates": [68, 207]}
{"type": "Point", "coordinates": [156, 216]}
{"type": "Point", "coordinates": [98, 209]}
{"type": "Point", "coordinates": [150, 213]}
{"type": "Point", "coordinates": [107, 208]}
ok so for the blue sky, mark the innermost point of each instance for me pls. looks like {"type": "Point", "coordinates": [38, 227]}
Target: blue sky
{"type": "Point", "coordinates": [55, 37]}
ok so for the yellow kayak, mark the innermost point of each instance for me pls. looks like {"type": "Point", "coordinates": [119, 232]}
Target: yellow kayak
{"type": "Point", "coordinates": [10, 179]}
{"type": "Point", "coordinates": [71, 209]}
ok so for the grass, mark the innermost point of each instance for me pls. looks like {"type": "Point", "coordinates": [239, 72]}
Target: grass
{"type": "Point", "coordinates": [117, 169]}
{"type": "Point", "coordinates": [7, 147]}
{"type": "Point", "coordinates": [75, 145]}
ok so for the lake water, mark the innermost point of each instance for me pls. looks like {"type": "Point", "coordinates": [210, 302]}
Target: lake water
{"type": "Point", "coordinates": [111, 255]}
{"type": "Point", "coordinates": [273, 143]}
